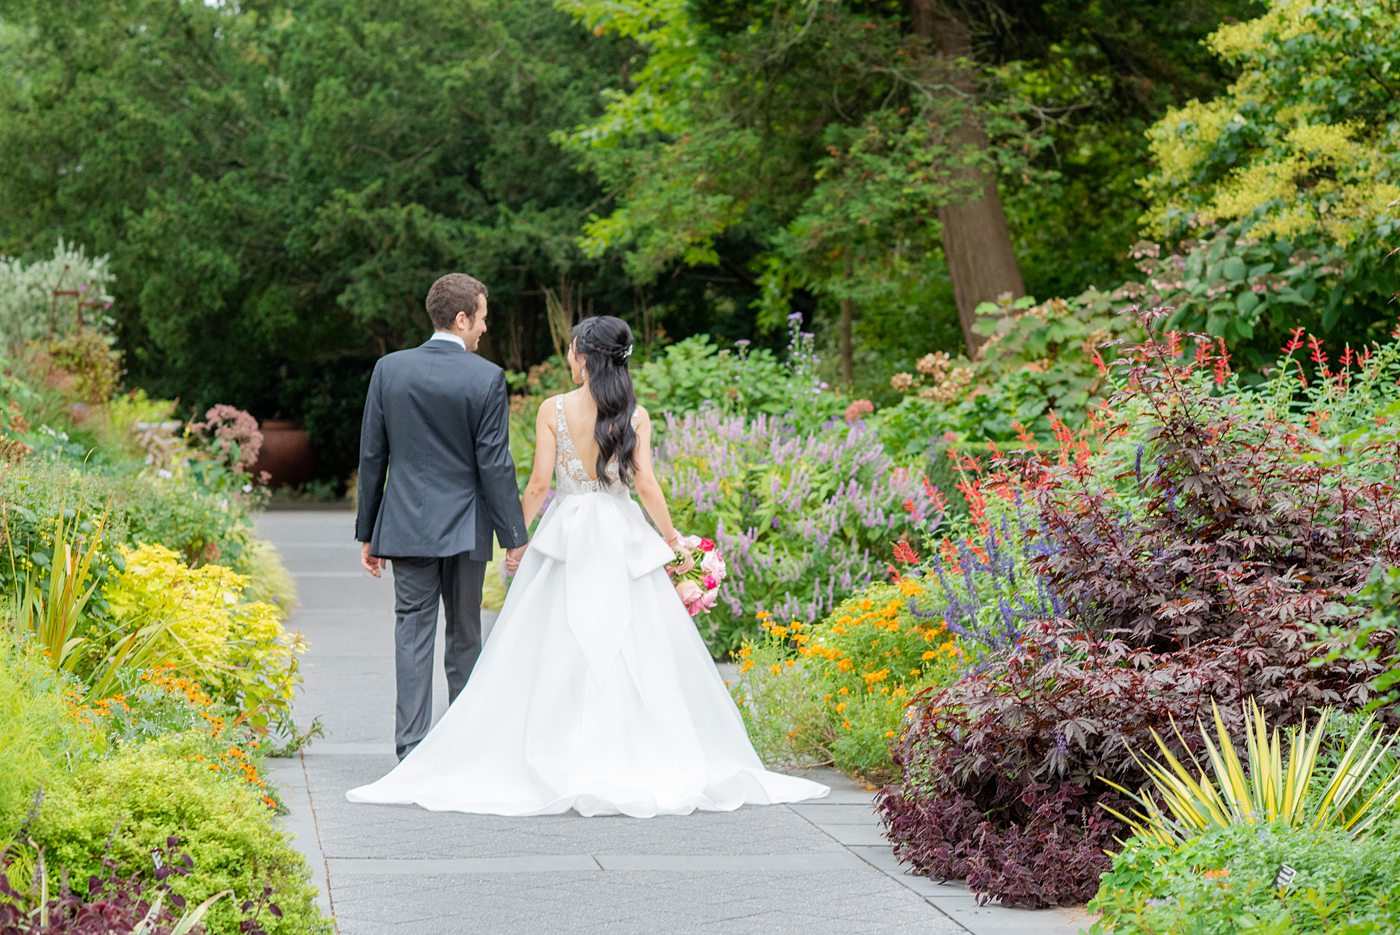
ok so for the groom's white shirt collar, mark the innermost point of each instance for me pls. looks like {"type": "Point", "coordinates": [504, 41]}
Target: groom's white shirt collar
{"type": "Point", "coordinates": [446, 336]}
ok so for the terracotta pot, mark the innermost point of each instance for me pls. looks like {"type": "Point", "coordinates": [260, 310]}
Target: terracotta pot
{"type": "Point", "coordinates": [286, 456]}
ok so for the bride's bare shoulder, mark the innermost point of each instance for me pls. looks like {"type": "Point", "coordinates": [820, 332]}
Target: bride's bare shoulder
{"type": "Point", "coordinates": [640, 416]}
{"type": "Point", "coordinates": [547, 411]}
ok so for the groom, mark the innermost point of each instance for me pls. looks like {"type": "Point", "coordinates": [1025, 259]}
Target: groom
{"type": "Point", "coordinates": [435, 426]}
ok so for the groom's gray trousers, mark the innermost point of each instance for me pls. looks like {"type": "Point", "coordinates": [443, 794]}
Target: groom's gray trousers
{"type": "Point", "coordinates": [419, 583]}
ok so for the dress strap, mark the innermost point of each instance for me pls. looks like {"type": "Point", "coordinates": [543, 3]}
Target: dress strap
{"type": "Point", "coordinates": [559, 422]}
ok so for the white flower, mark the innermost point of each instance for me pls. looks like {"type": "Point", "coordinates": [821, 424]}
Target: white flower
{"type": "Point", "coordinates": [163, 474]}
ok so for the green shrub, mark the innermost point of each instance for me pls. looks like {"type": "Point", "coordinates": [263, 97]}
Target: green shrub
{"type": "Point", "coordinates": [695, 373]}
{"type": "Point", "coordinates": [1223, 882]}
{"type": "Point", "coordinates": [141, 798]}
{"type": "Point", "coordinates": [176, 512]}
{"type": "Point", "coordinates": [38, 734]}
{"type": "Point", "coordinates": [38, 496]}
{"type": "Point", "coordinates": [145, 508]}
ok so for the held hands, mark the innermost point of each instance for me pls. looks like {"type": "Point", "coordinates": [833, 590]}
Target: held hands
{"type": "Point", "coordinates": [513, 557]}
{"type": "Point", "coordinates": [370, 563]}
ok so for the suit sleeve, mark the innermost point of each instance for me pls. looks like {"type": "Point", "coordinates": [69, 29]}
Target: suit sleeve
{"type": "Point", "coordinates": [374, 459]}
{"type": "Point", "coordinates": [499, 493]}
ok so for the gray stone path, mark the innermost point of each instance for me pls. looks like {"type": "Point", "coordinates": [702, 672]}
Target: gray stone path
{"type": "Point", "coordinates": [814, 869]}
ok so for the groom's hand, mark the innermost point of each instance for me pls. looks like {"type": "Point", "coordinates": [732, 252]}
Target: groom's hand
{"type": "Point", "coordinates": [370, 563]}
{"type": "Point", "coordinates": [513, 557]}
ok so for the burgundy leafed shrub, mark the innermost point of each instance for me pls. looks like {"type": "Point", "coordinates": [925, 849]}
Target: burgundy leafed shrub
{"type": "Point", "coordinates": [1192, 567]}
{"type": "Point", "coordinates": [113, 904]}
{"type": "Point", "coordinates": [1240, 525]}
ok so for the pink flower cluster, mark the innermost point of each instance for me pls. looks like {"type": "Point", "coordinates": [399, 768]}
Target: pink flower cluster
{"type": "Point", "coordinates": [858, 409]}
{"type": "Point", "coordinates": [236, 439]}
{"type": "Point", "coordinates": [698, 588]}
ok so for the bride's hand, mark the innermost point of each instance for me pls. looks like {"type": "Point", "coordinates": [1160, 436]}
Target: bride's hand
{"type": "Point", "coordinates": [686, 560]}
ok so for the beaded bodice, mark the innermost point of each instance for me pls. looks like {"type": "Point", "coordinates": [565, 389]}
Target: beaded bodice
{"type": "Point", "coordinates": [570, 475]}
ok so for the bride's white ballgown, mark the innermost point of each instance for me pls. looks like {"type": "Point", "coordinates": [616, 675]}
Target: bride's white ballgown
{"type": "Point", "coordinates": [594, 692]}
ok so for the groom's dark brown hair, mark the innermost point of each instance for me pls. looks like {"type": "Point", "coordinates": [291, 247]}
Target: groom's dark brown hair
{"type": "Point", "coordinates": [453, 293]}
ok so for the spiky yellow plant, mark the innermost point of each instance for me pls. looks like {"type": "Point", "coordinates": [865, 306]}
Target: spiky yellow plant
{"type": "Point", "coordinates": [1182, 801]}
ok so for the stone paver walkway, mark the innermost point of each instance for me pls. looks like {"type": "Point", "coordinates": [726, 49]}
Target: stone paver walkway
{"type": "Point", "coordinates": [811, 869]}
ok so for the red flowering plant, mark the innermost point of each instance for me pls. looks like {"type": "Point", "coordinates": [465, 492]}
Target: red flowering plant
{"type": "Point", "coordinates": [1195, 538]}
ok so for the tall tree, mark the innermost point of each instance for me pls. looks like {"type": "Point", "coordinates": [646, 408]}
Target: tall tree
{"type": "Point", "coordinates": [976, 241]}
{"type": "Point", "coordinates": [278, 183]}
{"type": "Point", "coordinates": [854, 156]}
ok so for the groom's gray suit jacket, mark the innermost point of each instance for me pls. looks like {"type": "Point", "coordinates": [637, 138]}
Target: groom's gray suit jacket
{"type": "Point", "coordinates": [435, 426]}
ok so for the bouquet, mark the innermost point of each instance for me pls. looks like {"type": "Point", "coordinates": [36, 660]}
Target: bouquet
{"type": "Point", "coordinates": [698, 588]}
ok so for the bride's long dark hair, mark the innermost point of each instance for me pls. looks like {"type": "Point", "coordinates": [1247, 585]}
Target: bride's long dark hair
{"type": "Point", "coordinates": [605, 343]}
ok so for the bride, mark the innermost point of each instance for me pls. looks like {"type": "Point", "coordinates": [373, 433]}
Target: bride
{"type": "Point", "coordinates": [594, 691]}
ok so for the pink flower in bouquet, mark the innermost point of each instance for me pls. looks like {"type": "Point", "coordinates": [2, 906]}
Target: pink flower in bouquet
{"type": "Point", "coordinates": [710, 583]}
{"type": "Point", "coordinates": [688, 591]}
{"type": "Point", "coordinates": [713, 565]}
{"type": "Point", "coordinates": [706, 545]}
{"type": "Point", "coordinates": [707, 601]}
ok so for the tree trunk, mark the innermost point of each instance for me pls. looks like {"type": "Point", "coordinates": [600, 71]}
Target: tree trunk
{"type": "Point", "coordinates": [976, 242]}
{"type": "Point", "coordinates": [848, 362]}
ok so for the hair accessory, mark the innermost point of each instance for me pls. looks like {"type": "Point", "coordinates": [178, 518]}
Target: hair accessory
{"type": "Point", "coordinates": [627, 352]}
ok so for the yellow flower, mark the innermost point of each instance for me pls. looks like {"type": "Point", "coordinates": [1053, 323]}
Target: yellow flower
{"type": "Point", "coordinates": [789, 663]}
{"type": "Point", "coordinates": [842, 691]}
{"type": "Point", "coordinates": [776, 669]}
{"type": "Point", "coordinates": [889, 734]}
{"type": "Point", "coordinates": [841, 708]}
{"type": "Point", "coordinates": [846, 724]}
{"type": "Point", "coordinates": [929, 655]}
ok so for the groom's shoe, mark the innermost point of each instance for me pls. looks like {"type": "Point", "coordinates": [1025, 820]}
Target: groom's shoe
{"type": "Point", "coordinates": [406, 752]}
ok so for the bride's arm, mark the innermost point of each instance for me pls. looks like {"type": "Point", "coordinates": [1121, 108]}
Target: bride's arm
{"type": "Point", "coordinates": [542, 473]}
{"type": "Point", "coordinates": [648, 488]}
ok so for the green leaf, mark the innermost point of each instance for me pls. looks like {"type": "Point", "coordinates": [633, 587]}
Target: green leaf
{"type": "Point", "coordinates": [1233, 269]}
